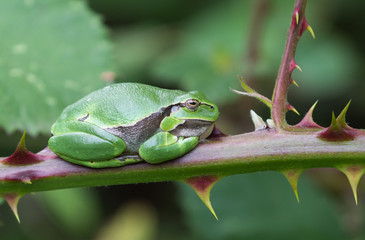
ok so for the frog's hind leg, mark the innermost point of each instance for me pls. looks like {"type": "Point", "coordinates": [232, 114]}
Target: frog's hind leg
{"type": "Point", "coordinates": [88, 145]}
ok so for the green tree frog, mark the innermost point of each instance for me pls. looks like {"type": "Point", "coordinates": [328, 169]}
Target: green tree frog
{"type": "Point", "coordinates": [126, 122]}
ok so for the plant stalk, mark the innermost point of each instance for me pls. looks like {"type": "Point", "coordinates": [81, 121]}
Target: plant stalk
{"type": "Point", "coordinates": [283, 80]}
{"type": "Point", "coordinates": [264, 150]}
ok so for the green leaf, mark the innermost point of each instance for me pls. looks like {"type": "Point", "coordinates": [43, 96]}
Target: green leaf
{"type": "Point", "coordinates": [262, 206]}
{"type": "Point", "coordinates": [51, 54]}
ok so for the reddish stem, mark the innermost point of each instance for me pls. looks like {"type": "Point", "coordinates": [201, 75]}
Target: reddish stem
{"type": "Point", "coordinates": [280, 104]}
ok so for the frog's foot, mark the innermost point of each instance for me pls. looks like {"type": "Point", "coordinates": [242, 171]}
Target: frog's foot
{"type": "Point", "coordinates": [129, 159]}
{"type": "Point", "coordinates": [126, 157]}
{"type": "Point", "coordinates": [164, 146]}
{"type": "Point", "coordinates": [115, 162]}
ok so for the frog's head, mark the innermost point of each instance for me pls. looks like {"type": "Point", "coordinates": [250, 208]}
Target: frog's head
{"type": "Point", "coordinates": [193, 115]}
{"type": "Point", "coordinates": [195, 105]}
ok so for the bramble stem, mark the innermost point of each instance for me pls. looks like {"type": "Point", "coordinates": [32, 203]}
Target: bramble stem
{"type": "Point", "coordinates": [280, 104]}
{"type": "Point", "coordinates": [264, 150]}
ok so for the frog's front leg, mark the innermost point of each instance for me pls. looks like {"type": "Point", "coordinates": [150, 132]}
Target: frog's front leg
{"type": "Point", "coordinates": [165, 146]}
{"type": "Point", "coordinates": [87, 144]}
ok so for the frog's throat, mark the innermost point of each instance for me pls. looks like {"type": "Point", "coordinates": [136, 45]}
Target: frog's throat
{"type": "Point", "coordinates": [192, 128]}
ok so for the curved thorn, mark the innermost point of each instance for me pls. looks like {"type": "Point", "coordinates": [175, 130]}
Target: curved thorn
{"type": "Point", "coordinates": [12, 200]}
{"type": "Point", "coordinates": [313, 106]}
{"type": "Point", "coordinates": [21, 145]}
{"type": "Point", "coordinates": [353, 174]}
{"type": "Point", "coordinates": [292, 65]}
{"type": "Point", "coordinates": [291, 108]}
{"type": "Point", "coordinates": [294, 110]}
{"type": "Point", "coordinates": [294, 82]}
{"type": "Point", "coordinates": [293, 176]}
{"type": "Point", "coordinates": [333, 121]}
{"type": "Point", "coordinates": [297, 67]}
{"type": "Point", "coordinates": [310, 111]}
{"type": "Point", "coordinates": [341, 118]}
{"type": "Point", "coordinates": [307, 121]}
{"type": "Point", "coordinates": [202, 187]}
{"type": "Point", "coordinates": [309, 28]}
{"type": "Point", "coordinates": [338, 129]}
{"type": "Point", "coordinates": [22, 156]}
{"type": "Point", "coordinates": [297, 17]}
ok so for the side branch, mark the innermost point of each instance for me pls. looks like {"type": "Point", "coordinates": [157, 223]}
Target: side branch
{"type": "Point", "coordinates": [280, 104]}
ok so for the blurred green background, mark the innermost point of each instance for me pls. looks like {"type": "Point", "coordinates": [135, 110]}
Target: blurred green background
{"type": "Point", "coordinates": [53, 52]}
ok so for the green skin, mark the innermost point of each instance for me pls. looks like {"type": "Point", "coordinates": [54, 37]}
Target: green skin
{"type": "Point", "coordinates": [122, 123]}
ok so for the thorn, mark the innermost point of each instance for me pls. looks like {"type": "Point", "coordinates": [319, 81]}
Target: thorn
{"type": "Point", "coordinates": [294, 82]}
{"type": "Point", "coordinates": [21, 145]}
{"type": "Point", "coordinates": [202, 187]}
{"type": "Point", "coordinates": [257, 121]}
{"type": "Point", "coordinates": [305, 26]}
{"type": "Point", "coordinates": [12, 200]}
{"type": "Point", "coordinates": [353, 174]}
{"type": "Point", "coordinates": [339, 130]}
{"type": "Point", "coordinates": [294, 110]}
{"type": "Point", "coordinates": [297, 67]}
{"type": "Point", "coordinates": [307, 121]}
{"type": "Point", "coordinates": [293, 176]}
{"type": "Point", "coordinates": [297, 17]}
{"type": "Point", "coordinates": [333, 120]}
{"type": "Point", "coordinates": [312, 108]}
{"type": "Point", "coordinates": [309, 28]}
{"type": "Point", "coordinates": [291, 108]}
{"type": "Point", "coordinates": [294, 65]}
{"type": "Point", "coordinates": [22, 156]}
{"type": "Point", "coordinates": [341, 119]}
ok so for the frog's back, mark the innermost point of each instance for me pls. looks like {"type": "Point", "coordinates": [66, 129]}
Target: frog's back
{"type": "Point", "coordinates": [120, 104]}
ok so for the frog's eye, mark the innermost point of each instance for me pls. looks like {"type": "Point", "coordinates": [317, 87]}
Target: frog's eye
{"type": "Point", "coordinates": [192, 104]}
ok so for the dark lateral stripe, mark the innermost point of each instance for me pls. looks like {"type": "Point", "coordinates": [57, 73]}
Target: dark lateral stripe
{"type": "Point", "coordinates": [134, 135]}
{"type": "Point", "coordinates": [83, 118]}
